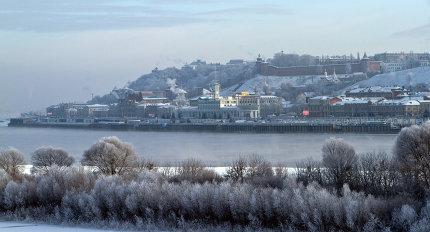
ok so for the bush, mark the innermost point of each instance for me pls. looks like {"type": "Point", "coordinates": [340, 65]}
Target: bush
{"type": "Point", "coordinates": [194, 171]}
{"type": "Point", "coordinates": [411, 152]}
{"type": "Point", "coordinates": [12, 161]}
{"type": "Point", "coordinates": [309, 171]}
{"type": "Point", "coordinates": [340, 163]}
{"type": "Point", "coordinates": [45, 157]}
{"type": "Point", "coordinates": [378, 175]}
{"type": "Point", "coordinates": [252, 197]}
{"type": "Point", "coordinates": [111, 156]}
{"type": "Point", "coordinates": [237, 170]}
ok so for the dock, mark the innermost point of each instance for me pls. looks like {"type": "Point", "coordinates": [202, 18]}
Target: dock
{"type": "Point", "coordinates": [311, 125]}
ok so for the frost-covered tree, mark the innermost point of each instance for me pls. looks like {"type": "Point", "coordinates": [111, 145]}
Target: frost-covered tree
{"type": "Point", "coordinates": [111, 156]}
{"type": "Point", "coordinates": [377, 174]}
{"type": "Point", "coordinates": [404, 217]}
{"type": "Point", "coordinates": [412, 154]}
{"type": "Point", "coordinates": [340, 162]}
{"type": "Point", "coordinates": [12, 161]}
{"type": "Point", "coordinates": [309, 171]}
{"type": "Point", "coordinates": [194, 170]}
{"type": "Point", "coordinates": [259, 167]}
{"type": "Point", "coordinates": [237, 170]}
{"type": "Point", "coordinates": [45, 157]}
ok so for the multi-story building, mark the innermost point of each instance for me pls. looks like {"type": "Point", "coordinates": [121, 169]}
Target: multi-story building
{"type": "Point", "coordinates": [364, 107]}
{"type": "Point", "coordinates": [249, 105]}
{"type": "Point", "coordinates": [209, 108]}
{"type": "Point", "coordinates": [270, 105]}
{"type": "Point", "coordinates": [394, 62]}
{"type": "Point", "coordinates": [228, 101]}
{"type": "Point", "coordinates": [76, 110]}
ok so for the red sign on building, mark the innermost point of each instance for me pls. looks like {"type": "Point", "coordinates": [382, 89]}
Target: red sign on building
{"type": "Point", "coordinates": [305, 113]}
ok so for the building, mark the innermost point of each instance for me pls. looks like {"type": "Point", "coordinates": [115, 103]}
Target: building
{"type": "Point", "coordinates": [153, 100]}
{"type": "Point", "coordinates": [320, 106]}
{"type": "Point", "coordinates": [236, 62]}
{"type": "Point", "coordinates": [98, 110]}
{"type": "Point", "coordinates": [389, 92]}
{"type": "Point", "coordinates": [388, 67]}
{"type": "Point", "coordinates": [365, 107]}
{"type": "Point", "coordinates": [394, 62]}
{"type": "Point", "coordinates": [248, 105]}
{"type": "Point", "coordinates": [361, 66]}
{"type": "Point", "coordinates": [228, 102]}
{"type": "Point", "coordinates": [270, 105]}
{"type": "Point", "coordinates": [209, 108]}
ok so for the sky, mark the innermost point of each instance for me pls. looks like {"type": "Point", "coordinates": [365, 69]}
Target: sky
{"type": "Point", "coordinates": [55, 51]}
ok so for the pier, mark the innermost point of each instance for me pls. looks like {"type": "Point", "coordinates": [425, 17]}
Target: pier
{"type": "Point", "coordinates": [302, 125]}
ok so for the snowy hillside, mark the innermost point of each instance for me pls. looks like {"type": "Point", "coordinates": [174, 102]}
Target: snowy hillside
{"type": "Point", "coordinates": [187, 78]}
{"type": "Point", "coordinates": [411, 77]}
{"type": "Point", "coordinates": [201, 76]}
{"type": "Point", "coordinates": [274, 82]}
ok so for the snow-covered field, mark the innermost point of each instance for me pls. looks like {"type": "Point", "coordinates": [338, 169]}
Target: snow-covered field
{"type": "Point", "coordinates": [33, 227]}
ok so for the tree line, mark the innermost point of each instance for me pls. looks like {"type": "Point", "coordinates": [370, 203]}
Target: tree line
{"type": "Point", "coordinates": [344, 191]}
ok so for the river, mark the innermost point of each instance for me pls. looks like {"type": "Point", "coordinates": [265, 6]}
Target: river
{"type": "Point", "coordinates": [213, 148]}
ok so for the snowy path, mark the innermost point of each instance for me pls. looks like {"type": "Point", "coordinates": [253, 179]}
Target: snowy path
{"type": "Point", "coordinates": [23, 227]}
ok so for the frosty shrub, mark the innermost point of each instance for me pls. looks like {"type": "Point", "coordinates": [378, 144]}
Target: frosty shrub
{"type": "Point", "coordinates": [11, 161]}
{"type": "Point", "coordinates": [378, 174]}
{"type": "Point", "coordinates": [143, 165]}
{"type": "Point", "coordinates": [45, 157]}
{"type": "Point", "coordinates": [194, 171]}
{"type": "Point", "coordinates": [256, 171]}
{"type": "Point", "coordinates": [258, 166]}
{"type": "Point", "coordinates": [340, 163]}
{"type": "Point", "coordinates": [309, 171]}
{"type": "Point", "coordinates": [237, 170]}
{"type": "Point", "coordinates": [71, 195]}
{"type": "Point", "coordinates": [404, 217]}
{"type": "Point", "coordinates": [111, 156]}
{"type": "Point", "coordinates": [344, 192]}
{"type": "Point", "coordinates": [412, 153]}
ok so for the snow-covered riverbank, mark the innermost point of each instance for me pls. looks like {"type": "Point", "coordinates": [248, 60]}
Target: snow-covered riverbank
{"type": "Point", "coordinates": [11, 226]}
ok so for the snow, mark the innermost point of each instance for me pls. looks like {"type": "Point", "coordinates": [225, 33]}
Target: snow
{"type": "Point", "coordinates": [408, 77]}
{"type": "Point", "coordinates": [274, 82]}
{"type": "Point", "coordinates": [3, 122]}
{"type": "Point", "coordinates": [379, 89]}
{"type": "Point", "coordinates": [23, 227]}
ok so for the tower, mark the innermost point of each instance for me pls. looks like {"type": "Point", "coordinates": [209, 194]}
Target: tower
{"type": "Point", "coordinates": [259, 59]}
{"type": "Point", "coordinates": [217, 90]}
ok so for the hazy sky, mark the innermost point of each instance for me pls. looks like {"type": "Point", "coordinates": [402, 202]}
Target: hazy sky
{"type": "Point", "coordinates": [56, 51]}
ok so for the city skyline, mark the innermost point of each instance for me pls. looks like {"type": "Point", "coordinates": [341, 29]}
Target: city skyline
{"type": "Point", "coordinates": [62, 51]}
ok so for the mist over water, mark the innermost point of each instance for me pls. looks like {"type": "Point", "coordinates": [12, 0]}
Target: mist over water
{"type": "Point", "coordinates": [213, 148]}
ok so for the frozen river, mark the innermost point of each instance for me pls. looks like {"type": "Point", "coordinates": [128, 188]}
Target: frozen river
{"type": "Point", "coordinates": [213, 148]}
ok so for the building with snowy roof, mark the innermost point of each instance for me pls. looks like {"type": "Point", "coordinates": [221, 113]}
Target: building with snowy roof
{"type": "Point", "coordinates": [365, 107]}
{"type": "Point", "coordinates": [388, 92]}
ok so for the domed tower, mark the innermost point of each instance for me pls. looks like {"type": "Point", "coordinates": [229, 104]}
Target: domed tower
{"type": "Point", "coordinates": [365, 63]}
{"type": "Point", "coordinates": [261, 66]}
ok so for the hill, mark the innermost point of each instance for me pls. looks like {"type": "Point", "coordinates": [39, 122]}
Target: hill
{"type": "Point", "coordinates": [188, 78]}
{"type": "Point", "coordinates": [410, 77]}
